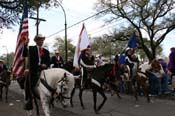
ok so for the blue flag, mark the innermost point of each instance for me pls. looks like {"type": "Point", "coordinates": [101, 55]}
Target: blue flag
{"type": "Point", "coordinates": [122, 59]}
{"type": "Point", "coordinates": [132, 41]}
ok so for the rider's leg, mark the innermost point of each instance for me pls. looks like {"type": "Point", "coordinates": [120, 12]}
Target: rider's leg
{"type": "Point", "coordinates": [28, 94]}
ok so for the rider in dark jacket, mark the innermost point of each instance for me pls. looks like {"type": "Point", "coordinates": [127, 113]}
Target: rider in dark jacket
{"type": "Point", "coordinates": [86, 63]}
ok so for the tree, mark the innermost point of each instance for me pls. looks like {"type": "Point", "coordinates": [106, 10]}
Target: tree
{"type": "Point", "coordinates": [59, 44]}
{"type": "Point", "coordinates": [123, 36]}
{"type": "Point", "coordinates": [8, 59]}
{"type": "Point", "coordinates": [10, 10]}
{"type": "Point", "coordinates": [155, 18]}
{"type": "Point", "coordinates": [107, 46]}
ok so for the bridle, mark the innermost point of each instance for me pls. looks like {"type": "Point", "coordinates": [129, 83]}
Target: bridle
{"type": "Point", "coordinates": [59, 96]}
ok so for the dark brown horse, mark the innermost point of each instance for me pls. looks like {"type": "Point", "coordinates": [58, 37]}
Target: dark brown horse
{"type": "Point", "coordinates": [98, 77]}
{"type": "Point", "coordinates": [4, 82]}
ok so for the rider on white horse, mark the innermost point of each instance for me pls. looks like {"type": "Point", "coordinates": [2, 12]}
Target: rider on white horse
{"type": "Point", "coordinates": [39, 59]}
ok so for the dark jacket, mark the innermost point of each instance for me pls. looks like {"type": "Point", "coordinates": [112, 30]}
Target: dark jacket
{"type": "Point", "coordinates": [86, 62]}
{"type": "Point", "coordinates": [57, 63]}
{"type": "Point", "coordinates": [34, 66]}
{"type": "Point", "coordinates": [171, 63]}
{"type": "Point", "coordinates": [3, 67]}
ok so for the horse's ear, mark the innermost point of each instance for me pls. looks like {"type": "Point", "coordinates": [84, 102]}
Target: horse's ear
{"type": "Point", "coordinates": [65, 75]}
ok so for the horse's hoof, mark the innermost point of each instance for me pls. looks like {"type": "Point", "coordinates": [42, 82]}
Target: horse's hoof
{"type": "Point", "coordinates": [83, 107]}
{"type": "Point", "coordinates": [64, 106]}
{"type": "Point", "coordinates": [29, 113]}
{"type": "Point", "coordinates": [119, 97]}
{"type": "Point", "coordinates": [97, 112]}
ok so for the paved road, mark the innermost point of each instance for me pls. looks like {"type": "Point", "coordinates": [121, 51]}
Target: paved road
{"type": "Point", "coordinates": [127, 106]}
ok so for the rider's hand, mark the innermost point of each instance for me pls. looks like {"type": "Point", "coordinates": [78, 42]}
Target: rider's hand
{"type": "Point", "coordinates": [43, 66]}
{"type": "Point", "coordinates": [95, 66]}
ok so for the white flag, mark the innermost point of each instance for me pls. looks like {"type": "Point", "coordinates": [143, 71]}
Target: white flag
{"type": "Point", "coordinates": [83, 43]}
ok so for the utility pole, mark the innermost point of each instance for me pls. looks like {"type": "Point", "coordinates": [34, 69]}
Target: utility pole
{"type": "Point", "coordinates": [65, 24]}
{"type": "Point", "coordinates": [37, 20]}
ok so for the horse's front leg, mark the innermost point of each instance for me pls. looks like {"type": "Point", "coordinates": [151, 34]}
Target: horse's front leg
{"type": "Point", "coordinates": [104, 98]}
{"type": "Point", "coordinates": [1, 88]}
{"type": "Point", "coordinates": [101, 91]}
{"type": "Point", "coordinates": [45, 103]}
{"type": "Point", "coordinates": [95, 100]}
{"type": "Point", "coordinates": [72, 94]}
{"type": "Point", "coordinates": [146, 90]}
{"type": "Point", "coordinates": [6, 94]}
{"type": "Point", "coordinates": [115, 87]}
{"type": "Point", "coordinates": [136, 90]}
{"type": "Point", "coordinates": [80, 97]}
{"type": "Point", "coordinates": [37, 107]}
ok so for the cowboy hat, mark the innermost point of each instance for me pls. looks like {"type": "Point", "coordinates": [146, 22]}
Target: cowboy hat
{"type": "Point", "coordinates": [1, 60]}
{"type": "Point", "coordinates": [39, 37]}
{"type": "Point", "coordinates": [57, 51]}
{"type": "Point", "coordinates": [127, 49]}
{"type": "Point", "coordinates": [87, 48]}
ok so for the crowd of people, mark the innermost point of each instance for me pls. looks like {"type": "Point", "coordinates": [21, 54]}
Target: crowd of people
{"type": "Point", "coordinates": [161, 73]}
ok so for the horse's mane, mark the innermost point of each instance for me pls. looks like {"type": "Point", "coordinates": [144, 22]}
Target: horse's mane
{"type": "Point", "coordinates": [101, 70]}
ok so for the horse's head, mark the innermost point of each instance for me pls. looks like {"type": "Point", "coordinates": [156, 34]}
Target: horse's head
{"type": "Point", "coordinates": [5, 77]}
{"type": "Point", "coordinates": [65, 87]}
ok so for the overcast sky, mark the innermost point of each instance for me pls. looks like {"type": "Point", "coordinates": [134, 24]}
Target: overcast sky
{"type": "Point", "coordinates": [76, 10]}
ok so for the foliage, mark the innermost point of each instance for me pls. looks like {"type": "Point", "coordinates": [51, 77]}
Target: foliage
{"type": "Point", "coordinates": [11, 10]}
{"type": "Point", "coordinates": [155, 19]}
{"type": "Point", "coordinates": [8, 59]}
{"type": "Point", "coordinates": [106, 46]}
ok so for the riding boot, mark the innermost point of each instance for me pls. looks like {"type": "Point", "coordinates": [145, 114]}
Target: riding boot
{"type": "Point", "coordinates": [28, 95]}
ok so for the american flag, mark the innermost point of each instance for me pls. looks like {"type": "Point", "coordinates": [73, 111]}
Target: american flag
{"type": "Point", "coordinates": [19, 61]}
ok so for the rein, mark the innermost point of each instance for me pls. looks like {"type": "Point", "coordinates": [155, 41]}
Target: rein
{"type": "Point", "coordinates": [61, 95]}
{"type": "Point", "coordinates": [44, 82]}
{"type": "Point", "coordinates": [52, 90]}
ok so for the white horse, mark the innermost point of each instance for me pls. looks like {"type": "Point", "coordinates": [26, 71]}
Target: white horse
{"type": "Point", "coordinates": [54, 82]}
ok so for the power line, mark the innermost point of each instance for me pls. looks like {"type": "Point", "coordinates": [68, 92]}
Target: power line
{"type": "Point", "coordinates": [82, 21]}
{"type": "Point", "coordinates": [100, 28]}
{"type": "Point", "coordinates": [79, 22]}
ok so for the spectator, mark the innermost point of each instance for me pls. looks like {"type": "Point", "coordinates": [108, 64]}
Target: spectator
{"type": "Point", "coordinates": [171, 68]}
{"type": "Point", "coordinates": [164, 80]}
{"type": "Point", "coordinates": [155, 75]}
{"type": "Point", "coordinates": [99, 61]}
{"type": "Point", "coordinates": [57, 60]}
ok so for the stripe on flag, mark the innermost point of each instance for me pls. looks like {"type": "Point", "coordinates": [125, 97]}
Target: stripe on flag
{"type": "Point", "coordinates": [18, 62]}
{"type": "Point", "coordinates": [83, 43]}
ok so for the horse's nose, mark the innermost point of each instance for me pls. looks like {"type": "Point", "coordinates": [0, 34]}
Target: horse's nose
{"type": "Point", "coordinates": [65, 89]}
